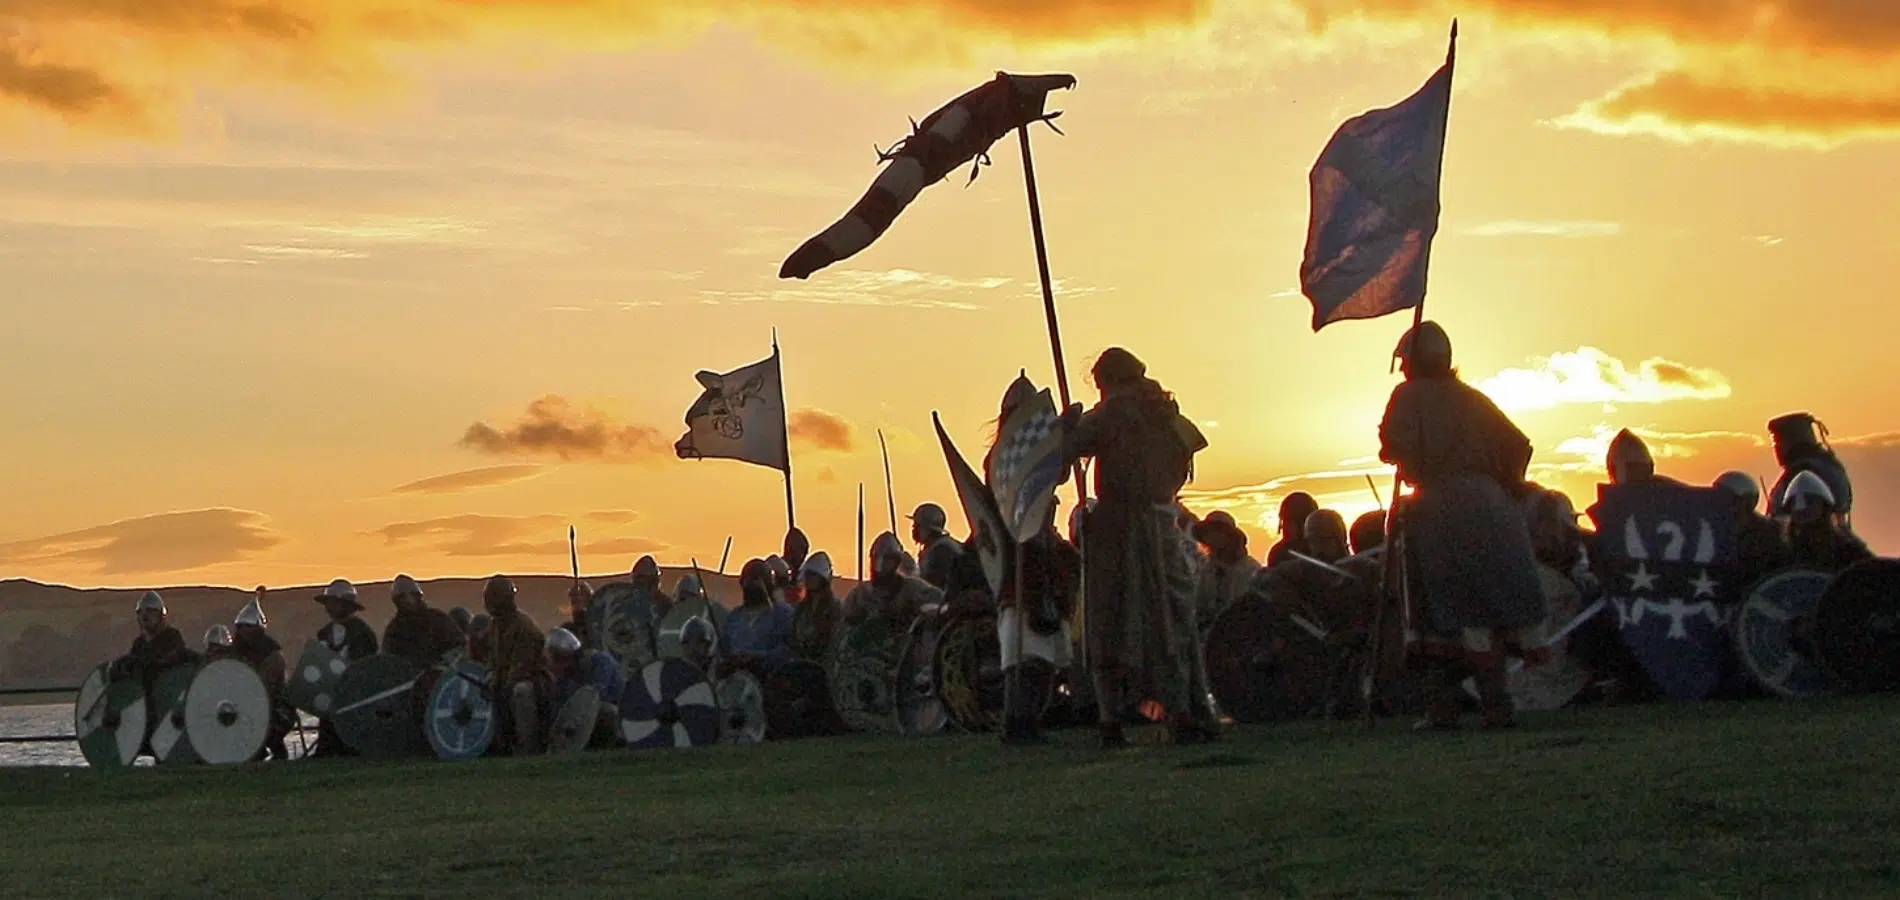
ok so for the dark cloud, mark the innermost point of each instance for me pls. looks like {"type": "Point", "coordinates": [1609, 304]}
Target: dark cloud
{"type": "Point", "coordinates": [552, 427]}
{"type": "Point", "coordinates": [456, 482]}
{"type": "Point", "coordinates": [821, 430]}
{"type": "Point", "coordinates": [167, 542]}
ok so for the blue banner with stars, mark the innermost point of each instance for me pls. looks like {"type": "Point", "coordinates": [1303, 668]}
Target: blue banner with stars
{"type": "Point", "coordinates": [1662, 545]}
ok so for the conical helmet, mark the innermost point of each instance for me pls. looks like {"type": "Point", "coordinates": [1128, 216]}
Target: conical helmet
{"type": "Point", "coordinates": [252, 614]}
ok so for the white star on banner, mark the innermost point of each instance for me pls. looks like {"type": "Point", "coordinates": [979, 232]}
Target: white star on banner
{"type": "Point", "coordinates": [1641, 580]}
{"type": "Point", "coordinates": [1704, 585]}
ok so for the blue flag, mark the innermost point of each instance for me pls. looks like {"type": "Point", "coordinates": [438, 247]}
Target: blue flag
{"type": "Point", "coordinates": [1375, 208]}
{"type": "Point", "coordinates": [1665, 544]}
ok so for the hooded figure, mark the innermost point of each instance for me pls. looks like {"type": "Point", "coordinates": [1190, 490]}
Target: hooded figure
{"type": "Point", "coordinates": [1801, 446]}
{"type": "Point", "coordinates": [1477, 591]}
{"type": "Point", "coordinates": [757, 635]}
{"type": "Point", "coordinates": [418, 632]}
{"type": "Point", "coordinates": [890, 593]}
{"type": "Point", "coordinates": [1226, 569]}
{"type": "Point", "coordinates": [253, 644]}
{"type": "Point", "coordinates": [513, 648]}
{"type": "Point", "coordinates": [815, 618]}
{"type": "Point", "coordinates": [1143, 640]}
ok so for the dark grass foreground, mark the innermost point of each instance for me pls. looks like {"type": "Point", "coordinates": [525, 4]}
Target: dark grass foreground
{"type": "Point", "coordinates": [1765, 799]}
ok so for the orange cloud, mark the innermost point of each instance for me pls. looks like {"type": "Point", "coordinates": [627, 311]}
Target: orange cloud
{"type": "Point", "coordinates": [1814, 71]}
{"type": "Point", "coordinates": [1591, 376]}
{"type": "Point", "coordinates": [551, 426]}
{"type": "Point", "coordinates": [455, 482]}
{"type": "Point", "coordinates": [128, 67]}
{"type": "Point", "coordinates": [821, 430]}
{"type": "Point", "coordinates": [167, 542]}
{"type": "Point", "coordinates": [482, 536]}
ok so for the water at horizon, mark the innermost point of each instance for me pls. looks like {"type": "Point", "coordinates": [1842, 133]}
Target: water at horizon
{"type": "Point", "coordinates": [57, 718]}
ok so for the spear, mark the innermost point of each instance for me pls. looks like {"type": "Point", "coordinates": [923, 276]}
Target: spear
{"type": "Point", "coordinates": [890, 498]}
{"type": "Point", "coordinates": [573, 555]}
{"type": "Point", "coordinates": [860, 531]}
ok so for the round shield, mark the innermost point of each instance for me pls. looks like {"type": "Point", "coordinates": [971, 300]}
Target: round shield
{"type": "Point", "coordinates": [1772, 632]}
{"type": "Point", "coordinates": [863, 667]}
{"type": "Point", "coordinates": [375, 711]}
{"type": "Point", "coordinates": [169, 744]}
{"type": "Point", "coordinates": [311, 686]}
{"type": "Point", "coordinates": [1857, 627]}
{"type": "Point", "coordinates": [669, 705]}
{"type": "Point", "coordinates": [227, 713]}
{"type": "Point", "coordinates": [626, 625]}
{"type": "Point", "coordinates": [919, 710]}
{"type": "Point", "coordinates": [666, 638]}
{"type": "Point", "coordinates": [798, 702]}
{"type": "Point", "coordinates": [573, 726]}
{"type": "Point", "coordinates": [109, 719]}
{"type": "Point", "coordinates": [1557, 681]}
{"type": "Point", "coordinates": [1267, 664]}
{"type": "Point", "coordinates": [460, 719]}
{"type": "Point", "coordinates": [969, 672]}
{"type": "Point", "coordinates": [741, 709]}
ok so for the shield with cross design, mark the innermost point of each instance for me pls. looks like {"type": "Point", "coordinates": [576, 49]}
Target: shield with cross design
{"type": "Point", "coordinates": [1665, 545]}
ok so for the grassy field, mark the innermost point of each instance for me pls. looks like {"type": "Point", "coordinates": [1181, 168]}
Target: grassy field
{"type": "Point", "coordinates": [1754, 800]}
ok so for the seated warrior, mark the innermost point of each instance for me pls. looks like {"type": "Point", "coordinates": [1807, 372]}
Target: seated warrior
{"type": "Point", "coordinates": [895, 597]}
{"type": "Point", "coordinates": [418, 632]}
{"type": "Point", "coordinates": [1226, 571]}
{"type": "Point", "coordinates": [1367, 533]}
{"type": "Point", "coordinates": [514, 649]}
{"type": "Point", "coordinates": [815, 618]}
{"type": "Point", "coordinates": [646, 580]}
{"type": "Point", "coordinates": [158, 646]}
{"type": "Point", "coordinates": [252, 643]}
{"type": "Point", "coordinates": [699, 645]}
{"type": "Point", "coordinates": [1760, 547]}
{"type": "Point", "coordinates": [578, 597]}
{"type": "Point", "coordinates": [352, 639]}
{"type": "Point", "coordinates": [691, 593]}
{"type": "Point", "coordinates": [757, 635]}
{"type": "Point", "coordinates": [1294, 511]}
{"type": "Point", "coordinates": [1816, 534]}
{"type": "Point", "coordinates": [571, 667]}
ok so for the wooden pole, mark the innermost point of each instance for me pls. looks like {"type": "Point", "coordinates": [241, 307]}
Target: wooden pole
{"type": "Point", "coordinates": [860, 531]}
{"type": "Point", "coordinates": [723, 554]}
{"type": "Point", "coordinates": [785, 438]}
{"type": "Point", "coordinates": [1048, 293]}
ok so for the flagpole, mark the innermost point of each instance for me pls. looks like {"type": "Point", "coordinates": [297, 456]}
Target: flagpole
{"type": "Point", "coordinates": [785, 437]}
{"type": "Point", "coordinates": [1048, 292]}
{"type": "Point", "coordinates": [1393, 525]}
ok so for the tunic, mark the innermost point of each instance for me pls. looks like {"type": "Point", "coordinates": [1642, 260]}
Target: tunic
{"type": "Point", "coordinates": [423, 636]}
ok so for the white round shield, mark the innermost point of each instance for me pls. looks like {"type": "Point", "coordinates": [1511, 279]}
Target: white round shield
{"type": "Point", "coordinates": [227, 712]}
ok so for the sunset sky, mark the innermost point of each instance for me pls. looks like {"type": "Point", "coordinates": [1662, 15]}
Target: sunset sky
{"type": "Point", "coordinates": [301, 289]}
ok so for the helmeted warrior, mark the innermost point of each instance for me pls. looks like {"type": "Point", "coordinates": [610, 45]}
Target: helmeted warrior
{"type": "Point", "coordinates": [353, 640]}
{"type": "Point", "coordinates": [796, 550]}
{"type": "Point", "coordinates": [1226, 569]}
{"type": "Point", "coordinates": [579, 595]}
{"type": "Point", "coordinates": [757, 635]}
{"type": "Point", "coordinates": [158, 646]}
{"type": "Point", "coordinates": [479, 625]}
{"type": "Point", "coordinates": [1760, 547]}
{"type": "Point", "coordinates": [699, 644]}
{"type": "Point", "coordinates": [889, 593]}
{"type": "Point", "coordinates": [1801, 446]}
{"type": "Point", "coordinates": [218, 643]}
{"type": "Point", "coordinates": [646, 578]}
{"type": "Point", "coordinates": [1477, 589]}
{"type": "Point", "coordinates": [1143, 642]}
{"type": "Point", "coordinates": [1294, 510]}
{"type": "Point", "coordinates": [937, 551]}
{"type": "Point", "coordinates": [418, 632]}
{"type": "Point", "coordinates": [1816, 536]}
{"type": "Point", "coordinates": [815, 618]}
{"type": "Point", "coordinates": [251, 642]}
{"type": "Point", "coordinates": [513, 648]}
{"type": "Point", "coordinates": [572, 666]}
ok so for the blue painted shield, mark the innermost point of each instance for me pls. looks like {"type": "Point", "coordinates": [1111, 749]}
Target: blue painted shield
{"type": "Point", "coordinates": [669, 704]}
{"type": "Point", "coordinates": [1664, 542]}
{"type": "Point", "coordinates": [460, 720]}
{"type": "Point", "coordinates": [1771, 629]}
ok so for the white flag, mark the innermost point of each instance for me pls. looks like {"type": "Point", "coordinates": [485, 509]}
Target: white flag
{"type": "Point", "coordinates": [740, 415]}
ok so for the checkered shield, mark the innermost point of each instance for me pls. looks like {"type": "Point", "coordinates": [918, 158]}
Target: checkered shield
{"type": "Point", "coordinates": [1026, 466]}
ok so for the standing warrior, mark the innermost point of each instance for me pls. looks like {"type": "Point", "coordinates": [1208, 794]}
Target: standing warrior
{"type": "Point", "coordinates": [513, 648]}
{"type": "Point", "coordinates": [1141, 628]}
{"type": "Point", "coordinates": [350, 637]}
{"type": "Point", "coordinates": [418, 632]}
{"type": "Point", "coordinates": [1468, 544]}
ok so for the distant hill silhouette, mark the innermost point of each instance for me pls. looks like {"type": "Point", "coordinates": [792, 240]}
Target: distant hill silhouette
{"type": "Point", "coordinates": [51, 635]}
